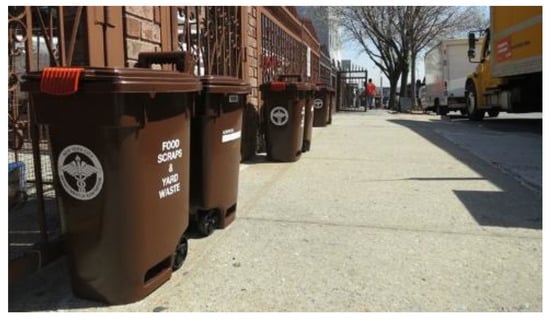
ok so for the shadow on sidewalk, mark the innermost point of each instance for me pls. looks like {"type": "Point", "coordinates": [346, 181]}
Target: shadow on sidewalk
{"type": "Point", "coordinates": [514, 206]}
{"type": "Point", "coordinates": [47, 290]}
{"type": "Point", "coordinates": [524, 125]}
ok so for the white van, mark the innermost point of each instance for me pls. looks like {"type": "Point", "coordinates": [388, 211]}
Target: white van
{"type": "Point", "coordinates": [446, 67]}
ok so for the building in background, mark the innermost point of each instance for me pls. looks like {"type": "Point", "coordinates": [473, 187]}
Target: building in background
{"type": "Point", "coordinates": [345, 65]}
{"type": "Point", "coordinates": [325, 23]}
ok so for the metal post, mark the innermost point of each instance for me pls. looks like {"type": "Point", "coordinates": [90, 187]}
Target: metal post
{"type": "Point", "coordinates": [381, 91]}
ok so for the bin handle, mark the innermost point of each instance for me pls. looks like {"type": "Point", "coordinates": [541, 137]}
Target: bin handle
{"type": "Point", "coordinates": [298, 77]}
{"type": "Point", "coordinates": [146, 59]}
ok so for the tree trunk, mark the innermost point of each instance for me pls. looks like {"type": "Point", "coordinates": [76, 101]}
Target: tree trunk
{"type": "Point", "coordinates": [393, 89]}
{"type": "Point", "coordinates": [404, 77]}
{"type": "Point", "coordinates": [403, 90]}
{"type": "Point", "coordinates": [413, 80]}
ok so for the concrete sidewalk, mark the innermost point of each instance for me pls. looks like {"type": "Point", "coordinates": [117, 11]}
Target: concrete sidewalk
{"type": "Point", "coordinates": [376, 217]}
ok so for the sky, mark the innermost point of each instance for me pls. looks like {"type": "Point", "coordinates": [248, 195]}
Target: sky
{"type": "Point", "coordinates": [352, 51]}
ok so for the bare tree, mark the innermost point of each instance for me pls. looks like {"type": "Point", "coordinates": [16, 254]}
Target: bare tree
{"type": "Point", "coordinates": [394, 36]}
{"type": "Point", "coordinates": [378, 31]}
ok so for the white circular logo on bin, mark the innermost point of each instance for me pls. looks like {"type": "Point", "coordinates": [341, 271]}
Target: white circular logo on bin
{"type": "Point", "coordinates": [80, 172]}
{"type": "Point", "coordinates": [318, 103]}
{"type": "Point", "coordinates": [279, 116]}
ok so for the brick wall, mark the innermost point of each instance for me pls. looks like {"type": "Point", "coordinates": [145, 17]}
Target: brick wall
{"type": "Point", "coordinates": [142, 30]}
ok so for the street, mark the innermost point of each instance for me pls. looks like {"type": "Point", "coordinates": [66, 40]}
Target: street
{"type": "Point", "coordinates": [386, 212]}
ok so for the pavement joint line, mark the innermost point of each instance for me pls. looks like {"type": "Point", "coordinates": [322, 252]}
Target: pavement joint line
{"type": "Point", "coordinates": [486, 230]}
{"type": "Point", "coordinates": [427, 179]}
{"type": "Point", "coordinates": [337, 159]}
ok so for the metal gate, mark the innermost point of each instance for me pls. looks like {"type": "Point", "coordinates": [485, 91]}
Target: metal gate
{"type": "Point", "coordinates": [350, 91]}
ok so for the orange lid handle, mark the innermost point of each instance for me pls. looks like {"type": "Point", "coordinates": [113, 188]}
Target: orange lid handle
{"type": "Point", "coordinates": [278, 86]}
{"type": "Point", "coordinates": [60, 81]}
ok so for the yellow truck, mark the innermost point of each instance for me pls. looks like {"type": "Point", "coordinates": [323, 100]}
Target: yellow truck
{"type": "Point", "coordinates": [508, 76]}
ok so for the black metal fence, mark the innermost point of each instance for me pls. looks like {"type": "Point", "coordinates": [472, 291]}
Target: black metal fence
{"type": "Point", "coordinates": [350, 88]}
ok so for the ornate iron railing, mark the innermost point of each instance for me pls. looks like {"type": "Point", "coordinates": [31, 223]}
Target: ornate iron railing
{"type": "Point", "coordinates": [212, 37]}
{"type": "Point", "coordinates": [282, 53]}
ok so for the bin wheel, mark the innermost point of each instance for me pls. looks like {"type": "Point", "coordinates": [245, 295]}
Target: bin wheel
{"type": "Point", "coordinates": [180, 254]}
{"type": "Point", "coordinates": [207, 222]}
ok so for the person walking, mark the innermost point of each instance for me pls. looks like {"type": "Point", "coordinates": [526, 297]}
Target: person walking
{"type": "Point", "coordinates": [371, 92]}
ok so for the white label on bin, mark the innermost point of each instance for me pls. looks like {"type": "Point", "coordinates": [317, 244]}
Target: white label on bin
{"type": "Point", "coordinates": [80, 172]}
{"type": "Point", "coordinates": [169, 151]}
{"type": "Point", "coordinates": [230, 135]}
{"type": "Point", "coordinates": [279, 116]}
{"type": "Point", "coordinates": [170, 185]}
{"type": "Point", "coordinates": [303, 118]}
{"type": "Point", "coordinates": [318, 103]}
{"type": "Point", "coordinates": [233, 99]}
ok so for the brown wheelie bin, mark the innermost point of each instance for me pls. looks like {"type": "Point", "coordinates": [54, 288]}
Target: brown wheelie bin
{"type": "Point", "coordinates": [284, 117]}
{"type": "Point", "coordinates": [321, 106]}
{"type": "Point", "coordinates": [120, 140]}
{"type": "Point", "coordinates": [216, 129]}
{"type": "Point", "coordinates": [308, 116]}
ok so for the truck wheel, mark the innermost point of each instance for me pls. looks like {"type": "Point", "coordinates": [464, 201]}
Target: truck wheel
{"type": "Point", "coordinates": [180, 254]}
{"type": "Point", "coordinates": [493, 113]}
{"type": "Point", "coordinates": [443, 110]}
{"type": "Point", "coordinates": [474, 113]}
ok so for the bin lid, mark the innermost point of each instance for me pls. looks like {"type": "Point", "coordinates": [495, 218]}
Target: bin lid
{"type": "Point", "coordinates": [285, 85]}
{"type": "Point", "coordinates": [224, 85]}
{"type": "Point", "coordinates": [290, 82]}
{"type": "Point", "coordinates": [323, 86]}
{"type": "Point", "coordinates": [64, 81]}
